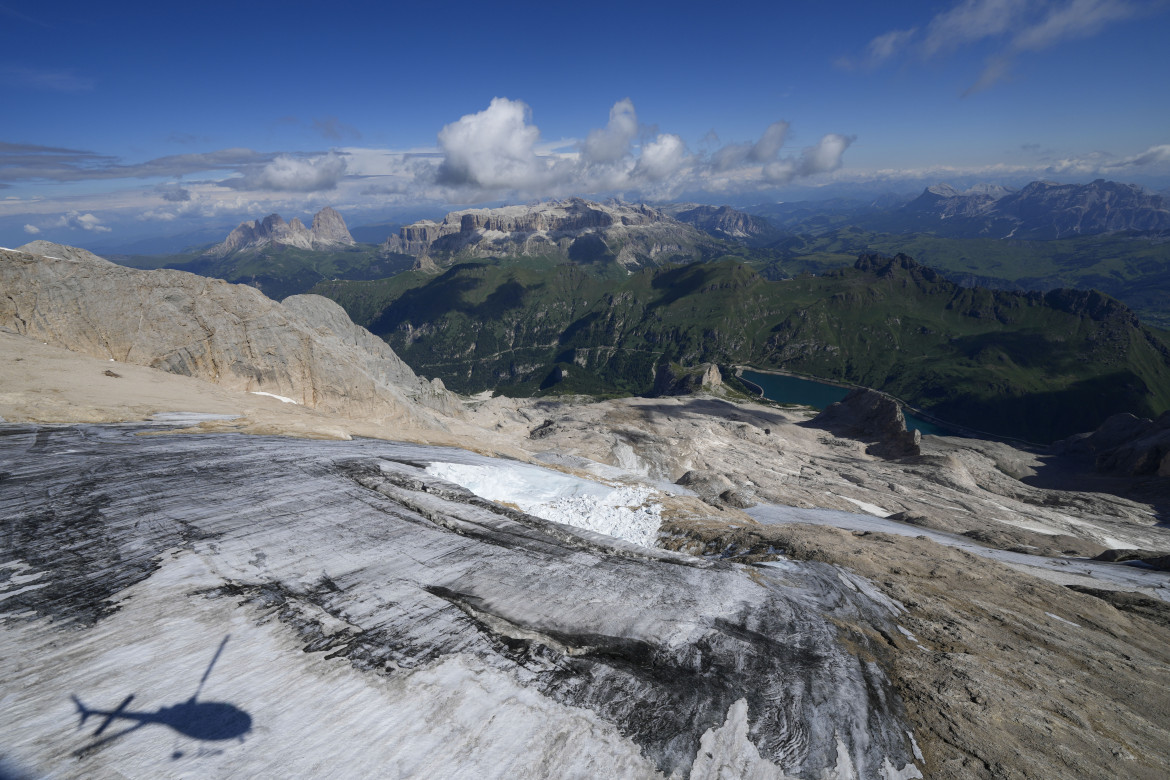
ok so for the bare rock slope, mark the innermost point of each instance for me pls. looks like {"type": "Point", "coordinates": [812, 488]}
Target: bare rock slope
{"type": "Point", "coordinates": [305, 349]}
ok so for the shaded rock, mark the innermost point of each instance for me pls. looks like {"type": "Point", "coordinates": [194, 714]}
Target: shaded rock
{"type": "Point", "coordinates": [871, 416]}
{"type": "Point", "coordinates": [740, 498]}
{"type": "Point", "coordinates": [673, 379]}
{"type": "Point", "coordinates": [708, 485]}
{"type": "Point", "coordinates": [1155, 560]}
{"type": "Point", "coordinates": [1125, 445]}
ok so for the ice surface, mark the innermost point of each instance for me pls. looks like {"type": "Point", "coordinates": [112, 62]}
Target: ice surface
{"type": "Point", "coordinates": [189, 418]}
{"type": "Point", "coordinates": [625, 511]}
{"type": "Point", "coordinates": [381, 621]}
{"type": "Point", "coordinates": [1060, 570]}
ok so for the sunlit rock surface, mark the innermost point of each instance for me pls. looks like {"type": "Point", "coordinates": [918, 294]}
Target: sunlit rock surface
{"type": "Point", "coordinates": [349, 614]}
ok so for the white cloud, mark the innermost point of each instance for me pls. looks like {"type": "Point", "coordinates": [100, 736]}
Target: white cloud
{"type": "Point", "coordinates": [1018, 25]}
{"type": "Point", "coordinates": [662, 157]}
{"type": "Point", "coordinates": [972, 20]}
{"type": "Point", "coordinates": [74, 220]}
{"type": "Point", "coordinates": [32, 230]}
{"type": "Point", "coordinates": [498, 151]}
{"type": "Point", "coordinates": [764, 150]}
{"type": "Point", "coordinates": [493, 149]}
{"type": "Point", "coordinates": [1077, 19]}
{"type": "Point", "coordinates": [612, 143]}
{"type": "Point", "coordinates": [294, 174]}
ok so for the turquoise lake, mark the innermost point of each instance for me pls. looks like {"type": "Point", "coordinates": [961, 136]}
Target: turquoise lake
{"type": "Point", "coordinates": [818, 395]}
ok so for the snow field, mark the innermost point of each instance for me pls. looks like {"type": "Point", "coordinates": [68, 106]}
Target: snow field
{"type": "Point", "coordinates": [623, 511]}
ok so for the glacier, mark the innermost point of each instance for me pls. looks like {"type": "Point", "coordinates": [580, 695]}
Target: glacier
{"type": "Point", "coordinates": [377, 618]}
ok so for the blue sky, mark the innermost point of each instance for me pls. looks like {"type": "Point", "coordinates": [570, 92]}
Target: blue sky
{"type": "Point", "coordinates": [125, 120]}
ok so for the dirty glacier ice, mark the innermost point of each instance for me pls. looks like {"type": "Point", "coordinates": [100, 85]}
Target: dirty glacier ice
{"type": "Point", "coordinates": [385, 621]}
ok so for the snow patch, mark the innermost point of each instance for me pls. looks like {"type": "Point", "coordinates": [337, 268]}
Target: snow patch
{"type": "Point", "coordinates": [274, 395]}
{"type": "Point", "coordinates": [624, 511]}
{"type": "Point", "coordinates": [1062, 620]}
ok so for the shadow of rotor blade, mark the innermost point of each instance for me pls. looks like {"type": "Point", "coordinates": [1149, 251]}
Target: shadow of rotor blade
{"type": "Point", "coordinates": [92, 746]}
{"type": "Point", "coordinates": [111, 715]}
{"type": "Point", "coordinates": [211, 666]}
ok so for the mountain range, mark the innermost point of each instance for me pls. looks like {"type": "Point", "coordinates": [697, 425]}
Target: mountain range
{"type": "Point", "coordinates": [1042, 210]}
{"type": "Point", "coordinates": [633, 235]}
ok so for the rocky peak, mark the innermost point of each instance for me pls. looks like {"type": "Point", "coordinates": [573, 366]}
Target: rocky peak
{"type": "Point", "coordinates": [328, 231]}
{"type": "Point", "coordinates": [329, 228]}
{"type": "Point", "coordinates": [53, 251]}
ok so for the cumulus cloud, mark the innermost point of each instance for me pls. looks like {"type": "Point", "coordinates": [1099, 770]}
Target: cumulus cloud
{"type": "Point", "coordinates": [294, 174]}
{"type": "Point", "coordinates": [612, 142]}
{"type": "Point", "coordinates": [75, 220]}
{"type": "Point", "coordinates": [764, 150]}
{"type": "Point", "coordinates": [494, 149]}
{"type": "Point", "coordinates": [1016, 25]}
{"type": "Point", "coordinates": [32, 230]}
{"type": "Point", "coordinates": [662, 157]}
{"type": "Point", "coordinates": [492, 154]}
{"type": "Point", "coordinates": [498, 151]}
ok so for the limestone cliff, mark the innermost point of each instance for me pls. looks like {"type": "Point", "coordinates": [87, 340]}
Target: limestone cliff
{"type": "Point", "coordinates": [584, 231]}
{"type": "Point", "coordinates": [306, 349]}
{"type": "Point", "coordinates": [328, 231]}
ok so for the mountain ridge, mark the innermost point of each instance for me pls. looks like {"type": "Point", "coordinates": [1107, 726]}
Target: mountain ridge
{"type": "Point", "coordinates": [328, 231]}
{"type": "Point", "coordinates": [632, 235]}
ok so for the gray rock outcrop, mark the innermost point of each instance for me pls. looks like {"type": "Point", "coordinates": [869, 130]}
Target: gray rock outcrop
{"type": "Point", "coordinates": [871, 416]}
{"type": "Point", "coordinates": [328, 231]}
{"type": "Point", "coordinates": [306, 348]}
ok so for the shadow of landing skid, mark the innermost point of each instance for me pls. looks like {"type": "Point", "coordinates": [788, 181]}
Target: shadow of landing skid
{"type": "Point", "coordinates": [203, 720]}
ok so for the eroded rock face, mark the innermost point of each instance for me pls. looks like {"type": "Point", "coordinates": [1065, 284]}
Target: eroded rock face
{"type": "Point", "coordinates": [328, 231]}
{"type": "Point", "coordinates": [582, 230]}
{"type": "Point", "coordinates": [869, 415]}
{"type": "Point", "coordinates": [306, 349]}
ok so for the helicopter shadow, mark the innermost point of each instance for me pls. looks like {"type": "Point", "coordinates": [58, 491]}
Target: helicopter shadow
{"type": "Point", "coordinates": [208, 721]}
